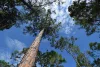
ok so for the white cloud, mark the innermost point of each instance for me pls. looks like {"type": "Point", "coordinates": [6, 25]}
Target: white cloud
{"type": "Point", "coordinates": [14, 44]}
{"type": "Point", "coordinates": [62, 15]}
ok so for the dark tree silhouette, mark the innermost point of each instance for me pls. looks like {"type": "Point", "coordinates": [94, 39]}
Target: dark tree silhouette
{"type": "Point", "coordinates": [86, 14]}
{"type": "Point", "coordinates": [8, 14]}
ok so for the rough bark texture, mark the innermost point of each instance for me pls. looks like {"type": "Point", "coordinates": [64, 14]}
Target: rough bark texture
{"type": "Point", "coordinates": [29, 58]}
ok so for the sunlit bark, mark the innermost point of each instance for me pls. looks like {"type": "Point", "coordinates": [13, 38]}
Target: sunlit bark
{"type": "Point", "coordinates": [29, 58]}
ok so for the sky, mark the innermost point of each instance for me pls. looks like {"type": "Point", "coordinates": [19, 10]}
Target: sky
{"type": "Point", "coordinates": [14, 39]}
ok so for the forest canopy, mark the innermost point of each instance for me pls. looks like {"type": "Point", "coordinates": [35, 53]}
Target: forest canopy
{"type": "Point", "coordinates": [37, 21]}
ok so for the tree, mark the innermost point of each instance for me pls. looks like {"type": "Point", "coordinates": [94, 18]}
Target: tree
{"type": "Point", "coordinates": [4, 64]}
{"type": "Point", "coordinates": [50, 59]}
{"type": "Point", "coordinates": [43, 23]}
{"type": "Point", "coordinates": [32, 52]}
{"type": "Point", "coordinates": [83, 61]}
{"type": "Point", "coordinates": [8, 14]}
{"type": "Point", "coordinates": [69, 45]}
{"type": "Point", "coordinates": [86, 14]}
{"type": "Point", "coordinates": [38, 21]}
{"type": "Point", "coordinates": [94, 53]}
{"type": "Point", "coordinates": [46, 59]}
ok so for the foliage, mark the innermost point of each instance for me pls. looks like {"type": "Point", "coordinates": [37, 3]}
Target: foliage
{"type": "Point", "coordinates": [8, 14]}
{"type": "Point", "coordinates": [63, 43]}
{"type": "Point", "coordinates": [42, 21]}
{"type": "Point", "coordinates": [83, 61]}
{"type": "Point", "coordinates": [11, 14]}
{"type": "Point", "coordinates": [36, 17]}
{"type": "Point", "coordinates": [33, 14]}
{"type": "Point", "coordinates": [47, 59]}
{"type": "Point", "coordinates": [94, 52]}
{"type": "Point", "coordinates": [50, 59]}
{"type": "Point", "coordinates": [68, 44]}
{"type": "Point", "coordinates": [4, 64]}
{"type": "Point", "coordinates": [86, 14]}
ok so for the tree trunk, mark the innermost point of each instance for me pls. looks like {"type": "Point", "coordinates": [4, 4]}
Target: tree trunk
{"type": "Point", "coordinates": [29, 58]}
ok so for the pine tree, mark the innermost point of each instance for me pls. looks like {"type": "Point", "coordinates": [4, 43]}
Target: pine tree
{"type": "Point", "coordinates": [68, 44]}
{"type": "Point", "coordinates": [86, 14]}
{"type": "Point", "coordinates": [43, 23]}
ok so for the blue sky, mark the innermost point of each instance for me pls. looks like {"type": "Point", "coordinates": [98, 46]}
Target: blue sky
{"type": "Point", "coordinates": [14, 39]}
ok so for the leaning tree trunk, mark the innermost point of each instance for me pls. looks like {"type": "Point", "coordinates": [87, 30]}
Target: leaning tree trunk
{"type": "Point", "coordinates": [29, 58]}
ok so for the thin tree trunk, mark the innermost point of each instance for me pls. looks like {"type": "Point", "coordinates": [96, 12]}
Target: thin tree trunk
{"type": "Point", "coordinates": [73, 58]}
{"type": "Point", "coordinates": [29, 58]}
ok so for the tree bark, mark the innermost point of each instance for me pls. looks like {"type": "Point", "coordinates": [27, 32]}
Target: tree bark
{"type": "Point", "coordinates": [29, 58]}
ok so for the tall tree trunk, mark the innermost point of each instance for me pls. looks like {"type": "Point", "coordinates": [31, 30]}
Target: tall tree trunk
{"type": "Point", "coordinates": [29, 58]}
